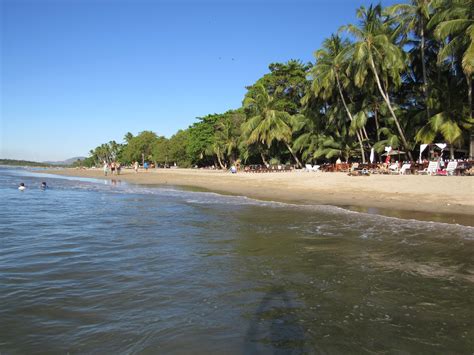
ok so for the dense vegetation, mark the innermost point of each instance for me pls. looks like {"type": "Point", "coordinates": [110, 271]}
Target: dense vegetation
{"type": "Point", "coordinates": [401, 76]}
{"type": "Point", "coordinates": [12, 162]}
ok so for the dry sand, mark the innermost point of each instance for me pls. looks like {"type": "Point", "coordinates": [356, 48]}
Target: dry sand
{"type": "Point", "coordinates": [424, 197]}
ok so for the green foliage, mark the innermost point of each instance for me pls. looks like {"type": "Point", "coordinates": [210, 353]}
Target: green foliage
{"type": "Point", "coordinates": [177, 149]}
{"type": "Point", "coordinates": [140, 148]}
{"type": "Point", "coordinates": [201, 139]}
{"type": "Point", "coordinates": [286, 84]}
{"type": "Point", "coordinates": [160, 151]}
{"type": "Point", "coordinates": [13, 162]}
{"type": "Point", "coordinates": [106, 152]}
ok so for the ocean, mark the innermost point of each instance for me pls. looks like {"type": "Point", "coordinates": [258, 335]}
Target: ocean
{"type": "Point", "coordinates": [92, 266]}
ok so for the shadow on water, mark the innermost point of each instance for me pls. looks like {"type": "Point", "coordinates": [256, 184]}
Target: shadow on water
{"type": "Point", "coordinates": [275, 326]}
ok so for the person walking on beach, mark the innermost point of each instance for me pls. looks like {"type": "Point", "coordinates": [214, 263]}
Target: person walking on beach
{"type": "Point", "coordinates": [112, 168]}
{"type": "Point", "coordinates": [135, 166]}
{"type": "Point", "coordinates": [145, 165]}
{"type": "Point", "coordinates": [106, 168]}
{"type": "Point", "coordinates": [118, 168]}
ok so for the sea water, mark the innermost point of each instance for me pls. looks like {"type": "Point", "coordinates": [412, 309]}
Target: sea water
{"type": "Point", "coordinates": [89, 266]}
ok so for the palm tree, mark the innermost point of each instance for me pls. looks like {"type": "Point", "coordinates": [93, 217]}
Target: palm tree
{"type": "Point", "coordinates": [454, 21]}
{"type": "Point", "coordinates": [128, 137]}
{"type": "Point", "coordinates": [267, 125]}
{"type": "Point", "coordinates": [454, 25]}
{"type": "Point", "coordinates": [326, 75]}
{"type": "Point", "coordinates": [451, 121]}
{"type": "Point", "coordinates": [306, 130]}
{"type": "Point", "coordinates": [414, 17]}
{"type": "Point", "coordinates": [227, 134]}
{"type": "Point", "coordinates": [375, 51]}
{"type": "Point", "coordinates": [330, 147]}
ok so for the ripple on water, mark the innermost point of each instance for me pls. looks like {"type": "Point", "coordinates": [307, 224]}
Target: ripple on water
{"type": "Point", "coordinates": [120, 268]}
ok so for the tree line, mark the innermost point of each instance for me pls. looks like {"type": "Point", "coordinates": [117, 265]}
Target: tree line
{"type": "Point", "coordinates": [400, 76]}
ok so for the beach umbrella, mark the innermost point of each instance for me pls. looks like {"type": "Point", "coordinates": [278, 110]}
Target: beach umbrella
{"type": "Point", "coordinates": [393, 152]}
{"type": "Point", "coordinates": [422, 148]}
{"type": "Point", "coordinates": [441, 146]}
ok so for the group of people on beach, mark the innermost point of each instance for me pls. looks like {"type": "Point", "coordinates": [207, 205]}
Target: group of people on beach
{"type": "Point", "coordinates": [114, 168]}
{"type": "Point", "coordinates": [136, 165]}
{"type": "Point", "coordinates": [22, 186]}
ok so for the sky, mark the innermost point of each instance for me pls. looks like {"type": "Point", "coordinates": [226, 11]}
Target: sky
{"type": "Point", "coordinates": [79, 73]}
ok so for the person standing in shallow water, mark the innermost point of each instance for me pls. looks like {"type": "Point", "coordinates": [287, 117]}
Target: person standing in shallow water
{"type": "Point", "coordinates": [135, 166]}
{"type": "Point", "coordinates": [22, 186]}
{"type": "Point", "coordinates": [106, 168]}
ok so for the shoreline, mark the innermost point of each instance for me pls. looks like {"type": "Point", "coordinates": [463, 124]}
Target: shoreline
{"type": "Point", "coordinates": [430, 198]}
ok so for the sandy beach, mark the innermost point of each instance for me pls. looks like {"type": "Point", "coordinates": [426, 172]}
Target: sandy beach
{"type": "Point", "coordinates": [412, 196]}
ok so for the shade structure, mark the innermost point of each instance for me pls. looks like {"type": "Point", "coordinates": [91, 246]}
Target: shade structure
{"type": "Point", "coordinates": [393, 152]}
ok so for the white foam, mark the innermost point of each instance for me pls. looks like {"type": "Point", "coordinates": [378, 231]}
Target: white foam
{"type": "Point", "coordinates": [203, 197]}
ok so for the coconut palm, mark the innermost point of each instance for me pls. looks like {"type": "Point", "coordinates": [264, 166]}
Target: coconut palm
{"type": "Point", "coordinates": [326, 75]}
{"type": "Point", "coordinates": [306, 129]}
{"type": "Point", "coordinates": [227, 134]}
{"type": "Point", "coordinates": [375, 52]}
{"type": "Point", "coordinates": [454, 25]}
{"type": "Point", "coordinates": [451, 121]}
{"type": "Point", "coordinates": [267, 125]}
{"type": "Point", "coordinates": [414, 17]}
{"type": "Point", "coordinates": [128, 137]}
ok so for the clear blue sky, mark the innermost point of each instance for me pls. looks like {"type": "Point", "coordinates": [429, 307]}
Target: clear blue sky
{"type": "Point", "coordinates": [78, 73]}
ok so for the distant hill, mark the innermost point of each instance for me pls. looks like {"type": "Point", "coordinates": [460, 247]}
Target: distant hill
{"type": "Point", "coordinates": [12, 162]}
{"type": "Point", "coordinates": [69, 161]}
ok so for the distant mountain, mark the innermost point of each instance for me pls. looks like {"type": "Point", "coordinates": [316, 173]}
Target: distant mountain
{"type": "Point", "coordinates": [65, 162]}
{"type": "Point", "coordinates": [13, 162]}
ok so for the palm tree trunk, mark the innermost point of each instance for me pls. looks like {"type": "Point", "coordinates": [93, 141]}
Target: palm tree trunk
{"type": "Point", "coordinates": [365, 134]}
{"type": "Point", "coordinates": [471, 110]}
{"type": "Point", "coordinates": [377, 124]}
{"type": "Point", "coordinates": [263, 159]}
{"type": "Point", "coordinates": [350, 116]}
{"type": "Point", "coordinates": [387, 101]}
{"type": "Point", "coordinates": [469, 93]}
{"type": "Point", "coordinates": [220, 163]}
{"type": "Point", "coordinates": [360, 138]}
{"type": "Point", "coordinates": [423, 67]}
{"type": "Point", "coordinates": [219, 159]}
{"type": "Point", "coordinates": [294, 155]}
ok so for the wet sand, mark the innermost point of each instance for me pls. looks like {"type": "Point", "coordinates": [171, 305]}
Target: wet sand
{"type": "Point", "coordinates": [438, 198]}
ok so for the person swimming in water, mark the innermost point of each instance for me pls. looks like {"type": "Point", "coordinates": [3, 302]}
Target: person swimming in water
{"type": "Point", "coordinates": [22, 186]}
{"type": "Point", "coordinates": [44, 186]}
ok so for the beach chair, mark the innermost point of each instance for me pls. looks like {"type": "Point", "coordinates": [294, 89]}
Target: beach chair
{"type": "Point", "coordinates": [354, 171]}
{"type": "Point", "coordinates": [432, 168]}
{"type": "Point", "coordinates": [404, 168]}
{"type": "Point", "coordinates": [393, 169]}
{"type": "Point", "coordinates": [452, 165]}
